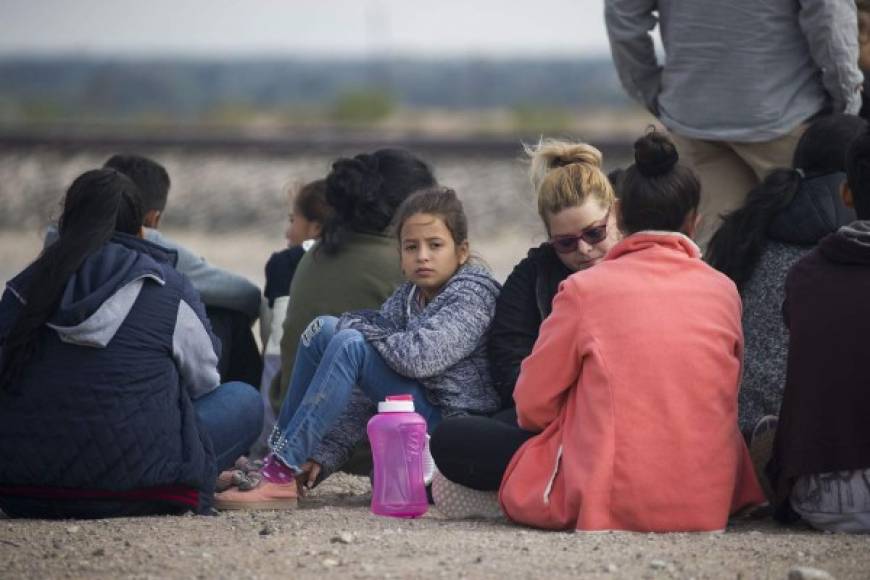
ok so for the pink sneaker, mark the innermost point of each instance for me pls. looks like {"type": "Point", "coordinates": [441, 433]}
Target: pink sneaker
{"type": "Point", "coordinates": [265, 496]}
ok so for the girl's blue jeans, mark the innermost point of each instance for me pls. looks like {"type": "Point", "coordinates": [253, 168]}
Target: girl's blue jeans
{"type": "Point", "coordinates": [328, 365]}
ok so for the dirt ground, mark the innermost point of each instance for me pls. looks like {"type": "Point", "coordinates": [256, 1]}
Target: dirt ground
{"type": "Point", "coordinates": [333, 535]}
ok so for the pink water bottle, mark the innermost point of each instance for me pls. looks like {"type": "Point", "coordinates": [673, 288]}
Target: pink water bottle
{"type": "Point", "coordinates": [398, 436]}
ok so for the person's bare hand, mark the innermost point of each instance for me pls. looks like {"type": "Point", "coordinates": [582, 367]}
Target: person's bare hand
{"type": "Point", "coordinates": [308, 478]}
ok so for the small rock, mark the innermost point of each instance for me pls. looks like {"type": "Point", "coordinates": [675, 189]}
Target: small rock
{"type": "Point", "coordinates": [329, 563]}
{"type": "Point", "coordinates": [805, 573]}
{"type": "Point", "coordinates": [73, 529]}
{"type": "Point", "coordinates": [98, 552]}
{"type": "Point", "coordinates": [267, 530]}
{"type": "Point", "coordinates": [478, 560]}
{"type": "Point", "coordinates": [342, 538]}
{"type": "Point", "coordinates": [658, 564]}
{"type": "Point", "coordinates": [612, 568]}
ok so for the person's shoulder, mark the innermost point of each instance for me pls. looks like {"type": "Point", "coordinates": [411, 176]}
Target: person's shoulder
{"type": "Point", "coordinates": [541, 259]}
{"type": "Point", "coordinates": [477, 276]}
{"type": "Point", "coordinates": [286, 259]}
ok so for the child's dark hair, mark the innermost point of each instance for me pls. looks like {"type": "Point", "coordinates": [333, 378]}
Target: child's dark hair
{"type": "Point", "coordinates": [657, 192]}
{"type": "Point", "coordinates": [97, 204]}
{"type": "Point", "coordinates": [858, 174]}
{"type": "Point", "coordinates": [311, 202]}
{"type": "Point", "coordinates": [366, 190]}
{"type": "Point", "coordinates": [149, 176]}
{"type": "Point", "coordinates": [437, 201]}
{"type": "Point", "coordinates": [736, 246]}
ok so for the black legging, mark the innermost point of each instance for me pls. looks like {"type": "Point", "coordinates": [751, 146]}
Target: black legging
{"type": "Point", "coordinates": [475, 451]}
{"type": "Point", "coordinates": [240, 358]}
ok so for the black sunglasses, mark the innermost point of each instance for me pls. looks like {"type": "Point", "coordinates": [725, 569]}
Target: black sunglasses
{"type": "Point", "coordinates": [591, 235]}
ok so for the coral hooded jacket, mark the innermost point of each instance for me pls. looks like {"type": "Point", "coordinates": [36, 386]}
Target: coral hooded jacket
{"type": "Point", "coordinates": [633, 384]}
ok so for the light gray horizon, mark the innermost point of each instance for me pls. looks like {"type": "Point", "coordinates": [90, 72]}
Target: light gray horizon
{"type": "Point", "coordinates": [305, 28]}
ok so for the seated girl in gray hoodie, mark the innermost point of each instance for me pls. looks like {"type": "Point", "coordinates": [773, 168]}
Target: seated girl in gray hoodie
{"type": "Point", "coordinates": [428, 340]}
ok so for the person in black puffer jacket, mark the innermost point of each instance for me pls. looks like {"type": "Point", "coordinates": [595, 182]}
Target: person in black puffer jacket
{"type": "Point", "coordinates": [782, 220]}
{"type": "Point", "coordinates": [110, 402]}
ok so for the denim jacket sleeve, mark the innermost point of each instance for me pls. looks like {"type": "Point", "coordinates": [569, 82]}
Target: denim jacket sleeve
{"type": "Point", "coordinates": [629, 25]}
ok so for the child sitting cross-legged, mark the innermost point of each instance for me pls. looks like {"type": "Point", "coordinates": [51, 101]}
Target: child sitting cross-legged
{"type": "Point", "coordinates": [428, 340]}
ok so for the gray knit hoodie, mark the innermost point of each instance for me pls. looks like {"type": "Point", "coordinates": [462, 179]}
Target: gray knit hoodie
{"type": "Point", "coordinates": [441, 344]}
{"type": "Point", "coordinates": [815, 212]}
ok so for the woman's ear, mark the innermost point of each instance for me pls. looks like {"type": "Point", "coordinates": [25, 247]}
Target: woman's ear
{"type": "Point", "coordinates": [846, 195]}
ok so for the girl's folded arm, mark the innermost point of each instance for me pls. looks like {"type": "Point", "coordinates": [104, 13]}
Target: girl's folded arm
{"type": "Point", "coordinates": [441, 340]}
{"type": "Point", "coordinates": [552, 368]}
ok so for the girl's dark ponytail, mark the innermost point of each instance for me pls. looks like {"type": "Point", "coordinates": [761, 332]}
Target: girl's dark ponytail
{"type": "Point", "coordinates": [97, 204]}
{"type": "Point", "coordinates": [736, 246]}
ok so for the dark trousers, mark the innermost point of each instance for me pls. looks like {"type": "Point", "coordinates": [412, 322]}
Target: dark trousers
{"type": "Point", "coordinates": [475, 451]}
{"type": "Point", "coordinates": [240, 358]}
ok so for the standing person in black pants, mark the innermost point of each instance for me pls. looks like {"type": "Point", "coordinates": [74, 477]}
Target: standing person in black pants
{"type": "Point", "coordinates": [574, 201]}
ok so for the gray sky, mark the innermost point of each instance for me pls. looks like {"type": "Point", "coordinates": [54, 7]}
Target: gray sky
{"type": "Point", "coordinates": [305, 27]}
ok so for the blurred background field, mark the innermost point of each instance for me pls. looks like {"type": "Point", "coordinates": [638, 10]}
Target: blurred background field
{"type": "Point", "coordinates": [243, 102]}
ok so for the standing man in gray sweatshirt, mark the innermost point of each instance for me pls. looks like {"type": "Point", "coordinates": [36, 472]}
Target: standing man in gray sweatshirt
{"type": "Point", "coordinates": [739, 81]}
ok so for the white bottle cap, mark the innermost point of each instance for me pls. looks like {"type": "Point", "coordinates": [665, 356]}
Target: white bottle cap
{"type": "Point", "coordinates": [396, 405]}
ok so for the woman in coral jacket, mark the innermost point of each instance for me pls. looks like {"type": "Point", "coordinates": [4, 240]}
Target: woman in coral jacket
{"type": "Point", "coordinates": [633, 381]}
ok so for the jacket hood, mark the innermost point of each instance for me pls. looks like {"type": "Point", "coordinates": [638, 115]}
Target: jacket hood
{"type": "Point", "coordinates": [850, 245]}
{"type": "Point", "coordinates": [816, 211]}
{"type": "Point", "coordinates": [476, 274]}
{"type": "Point", "coordinates": [100, 294]}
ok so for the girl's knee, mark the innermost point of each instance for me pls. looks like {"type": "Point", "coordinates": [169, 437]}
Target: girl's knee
{"type": "Point", "coordinates": [349, 335]}
{"type": "Point", "coordinates": [322, 327]}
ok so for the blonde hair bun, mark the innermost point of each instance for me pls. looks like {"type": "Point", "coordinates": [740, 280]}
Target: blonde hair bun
{"type": "Point", "coordinates": [550, 154]}
{"type": "Point", "coordinates": [565, 174]}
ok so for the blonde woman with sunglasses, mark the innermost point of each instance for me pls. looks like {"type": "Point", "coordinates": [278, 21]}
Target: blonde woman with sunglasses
{"type": "Point", "coordinates": [575, 201]}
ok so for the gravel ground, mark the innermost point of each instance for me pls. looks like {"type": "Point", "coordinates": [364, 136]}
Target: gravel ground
{"type": "Point", "coordinates": [333, 535]}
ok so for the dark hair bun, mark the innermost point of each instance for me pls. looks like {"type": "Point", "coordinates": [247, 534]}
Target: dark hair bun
{"type": "Point", "coordinates": [353, 183]}
{"type": "Point", "coordinates": [654, 154]}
